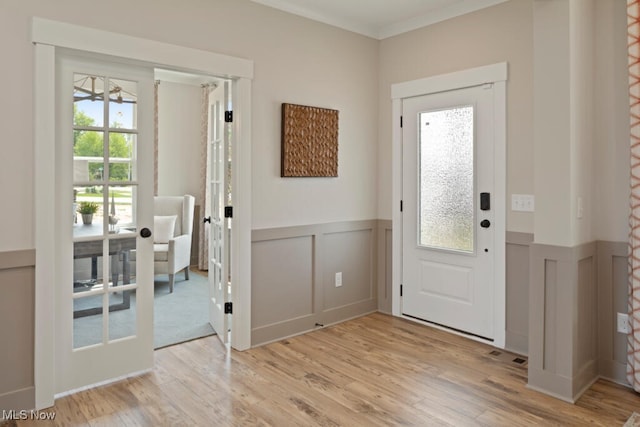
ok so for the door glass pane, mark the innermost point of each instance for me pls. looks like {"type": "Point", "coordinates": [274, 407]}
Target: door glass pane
{"type": "Point", "coordinates": [88, 156]}
{"type": "Point", "coordinates": [446, 179]}
{"type": "Point", "coordinates": [88, 100]}
{"type": "Point", "coordinates": [121, 207]}
{"type": "Point", "coordinates": [88, 211]}
{"type": "Point", "coordinates": [122, 314]}
{"type": "Point", "coordinates": [122, 150]}
{"type": "Point", "coordinates": [122, 104]}
{"type": "Point", "coordinates": [104, 209]}
{"type": "Point", "coordinates": [120, 249]}
{"type": "Point", "coordinates": [87, 321]}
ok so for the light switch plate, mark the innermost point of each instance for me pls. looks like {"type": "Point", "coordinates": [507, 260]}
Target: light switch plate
{"type": "Point", "coordinates": [522, 202]}
{"type": "Point", "coordinates": [338, 279]}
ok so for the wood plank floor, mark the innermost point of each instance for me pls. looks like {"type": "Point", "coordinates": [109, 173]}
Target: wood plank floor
{"type": "Point", "coordinates": [373, 371]}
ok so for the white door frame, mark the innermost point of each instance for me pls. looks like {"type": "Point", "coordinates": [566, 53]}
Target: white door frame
{"type": "Point", "coordinates": [496, 74]}
{"type": "Point", "coordinates": [47, 36]}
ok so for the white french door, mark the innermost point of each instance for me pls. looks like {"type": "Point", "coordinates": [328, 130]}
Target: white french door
{"type": "Point", "coordinates": [220, 203]}
{"type": "Point", "coordinates": [448, 193]}
{"type": "Point", "coordinates": [104, 159]}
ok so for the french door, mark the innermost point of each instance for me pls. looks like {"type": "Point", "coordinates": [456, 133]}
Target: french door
{"type": "Point", "coordinates": [220, 203]}
{"type": "Point", "coordinates": [104, 193]}
{"type": "Point", "coordinates": [448, 232]}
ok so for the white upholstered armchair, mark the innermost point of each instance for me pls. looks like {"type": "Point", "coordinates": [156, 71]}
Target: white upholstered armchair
{"type": "Point", "coordinates": [173, 227]}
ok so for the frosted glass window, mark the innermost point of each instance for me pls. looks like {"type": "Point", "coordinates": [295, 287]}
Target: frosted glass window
{"type": "Point", "coordinates": [446, 184]}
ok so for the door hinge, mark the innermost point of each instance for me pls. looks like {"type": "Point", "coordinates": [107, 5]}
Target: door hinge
{"type": "Point", "coordinates": [228, 116]}
{"type": "Point", "coordinates": [228, 211]}
{"type": "Point", "coordinates": [401, 289]}
{"type": "Point", "coordinates": [228, 308]}
{"type": "Point", "coordinates": [400, 121]}
{"type": "Point", "coordinates": [401, 207]}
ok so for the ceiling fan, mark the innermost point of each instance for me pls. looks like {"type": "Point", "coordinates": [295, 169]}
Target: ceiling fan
{"type": "Point", "coordinates": [93, 95]}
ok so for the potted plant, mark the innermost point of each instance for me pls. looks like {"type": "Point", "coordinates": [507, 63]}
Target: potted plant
{"type": "Point", "coordinates": [87, 209]}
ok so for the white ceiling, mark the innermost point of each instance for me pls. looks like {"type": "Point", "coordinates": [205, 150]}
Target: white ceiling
{"type": "Point", "coordinates": [379, 18]}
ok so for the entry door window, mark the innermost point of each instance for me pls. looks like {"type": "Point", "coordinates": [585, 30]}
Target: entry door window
{"type": "Point", "coordinates": [446, 179]}
{"type": "Point", "coordinates": [104, 208]}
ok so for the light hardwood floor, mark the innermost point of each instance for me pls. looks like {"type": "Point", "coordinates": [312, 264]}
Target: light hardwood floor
{"type": "Point", "coordinates": [373, 371]}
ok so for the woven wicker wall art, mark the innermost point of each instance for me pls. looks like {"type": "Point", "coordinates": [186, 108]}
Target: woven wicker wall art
{"type": "Point", "coordinates": [309, 141]}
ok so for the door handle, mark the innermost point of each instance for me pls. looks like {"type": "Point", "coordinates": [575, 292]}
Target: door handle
{"type": "Point", "coordinates": [206, 219]}
{"type": "Point", "coordinates": [485, 223]}
{"type": "Point", "coordinates": [145, 232]}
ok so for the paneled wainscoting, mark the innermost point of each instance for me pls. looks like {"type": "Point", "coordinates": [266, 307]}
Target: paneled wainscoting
{"type": "Point", "coordinates": [293, 276]}
{"type": "Point", "coordinates": [575, 295]}
{"type": "Point", "coordinates": [17, 298]}
{"type": "Point", "coordinates": [613, 298]}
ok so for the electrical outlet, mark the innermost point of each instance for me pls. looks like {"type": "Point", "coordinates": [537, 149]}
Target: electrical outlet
{"type": "Point", "coordinates": [338, 279]}
{"type": "Point", "coordinates": [623, 323]}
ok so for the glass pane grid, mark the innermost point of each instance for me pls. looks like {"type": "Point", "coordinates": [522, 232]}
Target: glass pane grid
{"type": "Point", "coordinates": [104, 208]}
{"type": "Point", "coordinates": [446, 179]}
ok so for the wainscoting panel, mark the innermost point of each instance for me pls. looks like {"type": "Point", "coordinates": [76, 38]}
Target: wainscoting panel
{"type": "Point", "coordinates": [293, 277]}
{"type": "Point", "coordinates": [17, 323]}
{"type": "Point", "coordinates": [352, 254]}
{"type": "Point", "coordinates": [612, 299]}
{"type": "Point", "coordinates": [549, 361]}
{"type": "Point", "coordinates": [563, 315]}
{"type": "Point", "coordinates": [385, 258]}
{"type": "Point", "coordinates": [517, 282]}
{"type": "Point", "coordinates": [585, 362]}
{"type": "Point", "coordinates": [282, 280]}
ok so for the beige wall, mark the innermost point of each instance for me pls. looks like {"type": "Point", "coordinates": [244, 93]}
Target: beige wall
{"type": "Point", "coordinates": [611, 159]}
{"type": "Point", "coordinates": [581, 135]}
{"type": "Point", "coordinates": [296, 60]}
{"type": "Point", "coordinates": [496, 34]}
{"type": "Point", "coordinates": [179, 139]}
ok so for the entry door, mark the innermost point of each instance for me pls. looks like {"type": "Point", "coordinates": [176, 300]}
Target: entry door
{"type": "Point", "coordinates": [104, 200]}
{"type": "Point", "coordinates": [448, 211]}
{"type": "Point", "coordinates": [220, 205]}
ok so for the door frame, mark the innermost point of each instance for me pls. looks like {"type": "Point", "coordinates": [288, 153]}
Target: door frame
{"type": "Point", "coordinates": [48, 36]}
{"type": "Point", "coordinates": [496, 74]}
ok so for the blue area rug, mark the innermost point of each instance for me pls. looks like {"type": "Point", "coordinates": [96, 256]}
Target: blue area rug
{"type": "Point", "coordinates": [178, 317]}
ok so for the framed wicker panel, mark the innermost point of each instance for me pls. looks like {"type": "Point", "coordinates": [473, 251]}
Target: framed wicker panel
{"type": "Point", "coordinates": [309, 141]}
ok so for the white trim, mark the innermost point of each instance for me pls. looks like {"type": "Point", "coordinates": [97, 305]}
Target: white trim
{"type": "Point", "coordinates": [49, 35]}
{"type": "Point", "coordinates": [44, 153]}
{"type": "Point", "coordinates": [101, 383]}
{"type": "Point", "coordinates": [241, 237]}
{"type": "Point", "coordinates": [500, 218]}
{"type": "Point", "coordinates": [433, 17]}
{"type": "Point", "coordinates": [450, 81]}
{"type": "Point", "coordinates": [178, 58]}
{"type": "Point", "coordinates": [496, 74]}
{"type": "Point", "coordinates": [378, 30]}
{"type": "Point", "coordinates": [396, 217]}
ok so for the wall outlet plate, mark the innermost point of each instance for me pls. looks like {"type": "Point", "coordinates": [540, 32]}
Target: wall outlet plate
{"type": "Point", "coordinates": [623, 323]}
{"type": "Point", "coordinates": [338, 281]}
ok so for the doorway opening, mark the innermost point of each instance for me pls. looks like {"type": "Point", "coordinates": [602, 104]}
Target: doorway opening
{"type": "Point", "coordinates": [50, 39]}
{"type": "Point", "coordinates": [185, 123]}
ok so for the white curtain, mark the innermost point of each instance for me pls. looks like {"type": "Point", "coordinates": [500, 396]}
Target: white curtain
{"type": "Point", "coordinates": [633, 359]}
{"type": "Point", "coordinates": [203, 258]}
